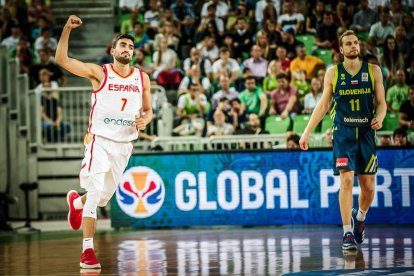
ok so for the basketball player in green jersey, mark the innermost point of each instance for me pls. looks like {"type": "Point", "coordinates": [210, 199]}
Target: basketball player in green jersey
{"type": "Point", "coordinates": [358, 110]}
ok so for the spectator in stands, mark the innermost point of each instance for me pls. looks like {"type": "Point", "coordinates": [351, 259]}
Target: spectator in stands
{"type": "Point", "coordinates": [283, 100]}
{"type": "Point", "coordinates": [141, 39]}
{"type": "Point", "coordinates": [400, 138]}
{"type": "Point", "coordinates": [398, 93]}
{"type": "Point", "coordinates": [237, 114]}
{"type": "Point", "coordinates": [253, 98]}
{"type": "Point", "coordinates": [141, 62]}
{"type": "Point", "coordinates": [270, 82]}
{"type": "Point", "coordinates": [226, 91]}
{"type": "Point", "coordinates": [281, 55]}
{"type": "Point", "coordinates": [228, 42]}
{"type": "Point", "coordinates": [167, 31]}
{"type": "Point", "coordinates": [6, 22]}
{"type": "Point", "coordinates": [290, 42]}
{"type": "Point", "coordinates": [382, 29]}
{"type": "Point", "coordinates": [396, 12]}
{"type": "Point", "coordinates": [45, 41]}
{"type": "Point", "coordinates": [321, 75]}
{"type": "Point", "coordinates": [386, 75]}
{"type": "Point", "coordinates": [253, 126]}
{"type": "Point", "coordinates": [391, 58]}
{"type": "Point", "coordinates": [190, 109]}
{"type": "Point", "coordinates": [242, 38]}
{"type": "Point", "coordinates": [409, 72]}
{"type": "Point", "coordinates": [46, 62]}
{"type": "Point", "coordinates": [341, 15]}
{"type": "Point", "coordinates": [152, 18]}
{"type": "Point", "coordinates": [385, 140]}
{"type": "Point", "coordinates": [209, 49]}
{"type": "Point", "coordinates": [313, 97]}
{"type": "Point", "coordinates": [408, 24]}
{"type": "Point", "coordinates": [365, 52]}
{"type": "Point", "coordinates": [47, 83]}
{"type": "Point", "coordinates": [196, 59]}
{"type": "Point", "coordinates": [165, 65]}
{"type": "Point", "coordinates": [127, 26]}
{"type": "Point", "coordinates": [12, 40]}
{"type": "Point", "coordinates": [194, 77]}
{"type": "Point", "coordinates": [273, 34]}
{"type": "Point", "coordinates": [211, 24]}
{"type": "Point", "coordinates": [41, 23]}
{"type": "Point", "coordinates": [261, 5]}
{"type": "Point", "coordinates": [298, 81]}
{"type": "Point", "coordinates": [241, 11]}
{"type": "Point", "coordinates": [184, 12]}
{"type": "Point", "coordinates": [305, 62]}
{"type": "Point", "coordinates": [290, 19]}
{"type": "Point", "coordinates": [337, 58]}
{"type": "Point", "coordinates": [222, 105]}
{"type": "Point", "coordinates": [364, 18]}
{"type": "Point", "coordinates": [38, 9]}
{"type": "Point", "coordinates": [24, 54]}
{"type": "Point", "coordinates": [131, 5]}
{"type": "Point", "coordinates": [256, 63]}
{"type": "Point", "coordinates": [219, 127]}
{"type": "Point", "coordinates": [314, 18]}
{"type": "Point", "coordinates": [403, 43]}
{"type": "Point", "coordinates": [269, 15]}
{"type": "Point", "coordinates": [292, 141]}
{"type": "Point", "coordinates": [54, 128]}
{"type": "Point", "coordinates": [262, 40]}
{"type": "Point", "coordinates": [221, 7]}
{"type": "Point", "coordinates": [378, 5]}
{"type": "Point", "coordinates": [226, 62]}
{"type": "Point", "coordinates": [326, 32]}
{"type": "Point", "coordinates": [407, 111]}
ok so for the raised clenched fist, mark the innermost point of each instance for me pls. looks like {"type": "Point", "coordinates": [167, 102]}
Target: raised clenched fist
{"type": "Point", "coordinates": [73, 22]}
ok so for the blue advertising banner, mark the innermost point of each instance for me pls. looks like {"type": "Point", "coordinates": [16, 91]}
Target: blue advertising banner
{"type": "Point", "coordinates": [254, 188]}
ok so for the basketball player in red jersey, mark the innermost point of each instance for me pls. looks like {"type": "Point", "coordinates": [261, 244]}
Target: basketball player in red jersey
{"type": "Point", "coordinates": [121, 107]}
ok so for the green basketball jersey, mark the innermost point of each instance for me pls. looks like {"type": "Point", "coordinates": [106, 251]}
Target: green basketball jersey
{"type": "Point", "coordinates": [353, 96]}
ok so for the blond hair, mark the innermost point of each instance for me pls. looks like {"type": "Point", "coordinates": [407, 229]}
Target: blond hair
{"type": "Point", "coordinates": [344, 34]}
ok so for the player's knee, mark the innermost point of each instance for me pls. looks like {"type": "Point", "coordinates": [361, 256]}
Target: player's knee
{"type": "Point", "coordinates": [347, 183]}
{"type": "Point", "coordinates": [92, 200]}
{"type": "Point", "coordinates": [368, 189]}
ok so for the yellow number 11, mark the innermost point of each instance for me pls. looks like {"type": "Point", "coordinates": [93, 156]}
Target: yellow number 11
{"type": "Point", "coordinates": [354, 104]}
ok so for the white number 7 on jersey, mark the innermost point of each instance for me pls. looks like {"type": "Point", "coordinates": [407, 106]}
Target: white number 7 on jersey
{"type": "Point", "coordinates": [124, 101]}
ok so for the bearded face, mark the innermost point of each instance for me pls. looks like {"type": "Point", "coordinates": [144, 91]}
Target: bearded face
{"type": "Point", "coordinates": [123, 58]}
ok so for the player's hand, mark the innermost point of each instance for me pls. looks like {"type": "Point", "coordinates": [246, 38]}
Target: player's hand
{"type": "Point", "coordinates": [139, 122]}
{"type": "Point", "coordinates": [73, 22]}
{"type": "Point", "coordinates": [376, 124]}
{"type": "Point", "coordinates": [304, 142]}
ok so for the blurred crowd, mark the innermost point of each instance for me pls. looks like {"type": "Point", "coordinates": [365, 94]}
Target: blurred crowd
{"type": "Point", "coordinates": [229, 65]}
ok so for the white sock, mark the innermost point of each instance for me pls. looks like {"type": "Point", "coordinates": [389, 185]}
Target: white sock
{"type": "Point", "coordinates": [77, 203]}
{"type": "Point", "coordinates": [348, 228]}
{"type": "Point", "coordinates": [361, 215]}
{"type": "Point", "coordinates": [87, 243]}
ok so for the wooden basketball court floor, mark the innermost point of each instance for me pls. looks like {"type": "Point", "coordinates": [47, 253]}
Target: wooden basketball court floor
{"type": "Point", "coordinates": [312, 250]}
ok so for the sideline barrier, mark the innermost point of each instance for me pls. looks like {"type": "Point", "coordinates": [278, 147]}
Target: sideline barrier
{"type": "Point", "coordinates": [254, 188]}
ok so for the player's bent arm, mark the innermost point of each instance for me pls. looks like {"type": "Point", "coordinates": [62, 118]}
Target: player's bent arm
{"type": "Point", "coordinates": [381, 104]}
{"type": "Point", "coordinates": [90, 71]}
{"type": "Point", "coordinates": [146, 100]}
{"type": "Point", "coordinates": [323, 105]}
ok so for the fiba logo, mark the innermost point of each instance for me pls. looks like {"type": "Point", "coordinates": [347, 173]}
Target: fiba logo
{"type": "Point", "coordinates": [141, 192]}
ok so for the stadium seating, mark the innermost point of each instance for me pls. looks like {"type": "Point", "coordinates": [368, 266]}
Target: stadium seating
{"type": "Point", "coordinates": [391, 122]}
{"type": "Point", "coordinates": [326, 123]}
{"type": "Point", "coordinates": [300, 122]}
{"type": "Point", "coordinates": [308, 40]}
{"type": "Point", "coordinates": [277, 125]}
{"type": "Point", "coordinates": [325, 55]}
